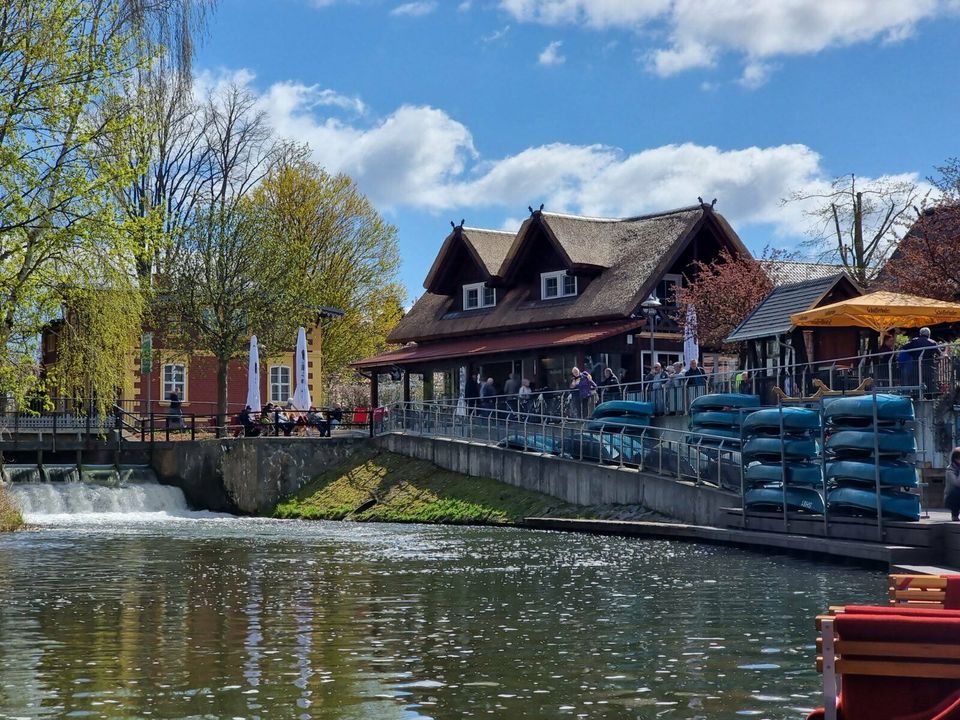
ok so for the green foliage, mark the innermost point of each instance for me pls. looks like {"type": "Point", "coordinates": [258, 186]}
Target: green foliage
{"type": "Point", "coordinates": [347, 256]}
{"type": "Point", "coordinates": [10, 518]}
{"type": "Point", "coordinates": [409, 490]}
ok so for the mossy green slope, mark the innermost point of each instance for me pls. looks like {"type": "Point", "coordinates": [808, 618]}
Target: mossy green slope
{"type": "Point", "coordinates": [10, 518]}
{"type": "Point", "coordinates": [409, 490]}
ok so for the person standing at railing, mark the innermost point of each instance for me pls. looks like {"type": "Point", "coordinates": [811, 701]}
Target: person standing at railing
{"type": "Point", "coordinates": [951, 485]}
{"type": "Point", "coordinates": [656, 379]}
{"type": "Point", "coordinates": [525, 395]}
{"type": "Point", "coordinates": [471, 392]}
{"type": "Point", "coordinates": [488, 395]}
{"type": "Point", "coordinates": [510, 388]}
{"type": "Point", "coordinates": [923, 352]}
{"type": "Point", "coordinates": [609, 385]}
{"type": "Point", "coordinates": [175, 418]}
{"type": "Point", "coordinates": [583, 388]}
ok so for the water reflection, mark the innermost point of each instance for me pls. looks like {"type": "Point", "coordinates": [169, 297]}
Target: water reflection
{"type": "Point", "coordinates": [246, 618]}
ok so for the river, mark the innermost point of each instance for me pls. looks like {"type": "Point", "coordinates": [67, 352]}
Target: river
{"type": "Point", "coordinates": [175, 614]}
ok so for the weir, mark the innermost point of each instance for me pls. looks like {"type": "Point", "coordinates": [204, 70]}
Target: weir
{"type": "Point", "coordinates": [78, 498]}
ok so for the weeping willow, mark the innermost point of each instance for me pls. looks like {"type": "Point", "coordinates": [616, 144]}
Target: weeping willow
{"type": "Point", "coordinates": [97, 340]}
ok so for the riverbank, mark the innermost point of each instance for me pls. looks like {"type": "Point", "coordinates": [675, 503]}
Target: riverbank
{"type": "Point", "coordinates": [10, 518]}
{"type": "Point", "coordinates": [376, 485]}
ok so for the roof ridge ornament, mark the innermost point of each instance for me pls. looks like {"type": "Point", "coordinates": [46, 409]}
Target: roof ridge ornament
{"type": "Point", "coordinates": [535, 212]}
{"type": "Point", "coordinates": [705, 206]}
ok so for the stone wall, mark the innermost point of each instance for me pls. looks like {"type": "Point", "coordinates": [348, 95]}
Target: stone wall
{"type": "Point", "coordinates": [580, 483]}
{"type": "Point", "coordinates": [247, 475]}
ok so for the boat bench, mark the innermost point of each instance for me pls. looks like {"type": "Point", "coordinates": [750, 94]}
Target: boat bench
{"type": "Point", "coordinates": [898, 663]}
{"type": "Point", "coordinates": [932, 591]}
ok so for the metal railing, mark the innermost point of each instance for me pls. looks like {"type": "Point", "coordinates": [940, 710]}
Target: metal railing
{"type": "Point", "coordinates": [925, 378]}
{"type": "Point", "coordinates": [697, 457]}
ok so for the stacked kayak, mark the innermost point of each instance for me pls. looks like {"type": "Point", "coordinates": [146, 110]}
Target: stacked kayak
{"type": "Point", "coordinates": [716, 418]}
{"type": "Point", "coordinates": [870, 436]}
{"type": "Point", "coordinates": [781, 452]}
{"type": "Point", "coordinates": [616, 416]}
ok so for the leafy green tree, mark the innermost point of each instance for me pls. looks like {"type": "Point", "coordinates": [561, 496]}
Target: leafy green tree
{"type": "Point", "coordinates": [64, 71]}
{"type": "Point", "coordinates": [347, 256]}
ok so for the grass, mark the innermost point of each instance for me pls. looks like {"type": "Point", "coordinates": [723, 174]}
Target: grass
{"type": "Point", "coordinates": [409, 490]}
{"type": "Point", "coordinates": [10, 518]}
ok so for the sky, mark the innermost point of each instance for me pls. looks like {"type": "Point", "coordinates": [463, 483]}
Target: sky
{"type": "Point", "coordinates": [450, 110]}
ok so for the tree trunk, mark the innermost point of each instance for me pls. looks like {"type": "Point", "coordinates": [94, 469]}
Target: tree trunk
{"type": "Point", "coordinates": [222, 368]}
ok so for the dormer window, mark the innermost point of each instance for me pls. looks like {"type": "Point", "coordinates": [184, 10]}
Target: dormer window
{"type": "Point", "coordinates": [557, 285]}
{"type": "Point", "coordinates": [478, 295]}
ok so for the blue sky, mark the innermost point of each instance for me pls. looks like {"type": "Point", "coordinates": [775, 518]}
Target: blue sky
{"type": "Point", "coordinates": [457, 109]}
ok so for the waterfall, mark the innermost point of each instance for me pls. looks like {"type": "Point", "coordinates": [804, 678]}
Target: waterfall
{"type": "Point", "coordinates": [57, 494]}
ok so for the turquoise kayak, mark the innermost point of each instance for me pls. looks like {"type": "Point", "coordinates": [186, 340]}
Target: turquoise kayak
{"type": "Point", "coordinates": [893, 473]}
{"type": "Point", "coordinates": [797, 473]}
{"type": "Point", "coordinates": [859, 408]}
{"type": "Point", "coordinates": [614, 424]}
{"type": "Point", "coordinates": [769, 448]}
{"type": "Point", "coordinates": [616, 408]}
{"type": "Point", "coordinates": [863, 502]}
{"type": "Point", "coordinates": [860, 442]}
{"type": "Point", "coordinates": [771, 497]}
{"type": "Point", "coordinates": [713, 433]}
{"type": "Point", "coordinates": [717, 418]}
{"type": "Point", "coordinates": [532, 442]}
{"type": "Point", "coordinates": [768, 420]}
{"type": "Point", "coordinates": [724, 401]}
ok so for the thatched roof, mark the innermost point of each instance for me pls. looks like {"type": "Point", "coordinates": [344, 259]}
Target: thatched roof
{"type": "Point", "coordinates": [630, 255]}
{"type": "Point", "coordinates": [788, 272]}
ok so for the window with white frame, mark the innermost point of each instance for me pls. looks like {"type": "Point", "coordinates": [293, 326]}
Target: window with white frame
{"type": "Point", "coordinates": [557, 285]}
{"type": "Point", "coordinates": [280, 383]}
{"type": "Point", "coordinates": [478, 295]}
{"type": "Point", "coordinates": [174, 379]}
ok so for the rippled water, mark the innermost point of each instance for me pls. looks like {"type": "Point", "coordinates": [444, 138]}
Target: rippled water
{"type": "Point", "coordinates": [227, 618]}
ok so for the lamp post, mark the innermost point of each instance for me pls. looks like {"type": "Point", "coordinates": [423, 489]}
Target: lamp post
{"type": "Point", "coordinates": [651, 306]}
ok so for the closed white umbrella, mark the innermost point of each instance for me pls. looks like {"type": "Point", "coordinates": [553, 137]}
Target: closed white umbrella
{"type": "Point", "coordinates": [301, 396]}
{"type": "Point", "coordinates": [253, 376]}
{"type": "Point", "coordinates": [691, 348]}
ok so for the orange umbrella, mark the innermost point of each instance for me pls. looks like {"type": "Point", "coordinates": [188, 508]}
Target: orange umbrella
{"type": "Point", "coordinates": [880, 311]}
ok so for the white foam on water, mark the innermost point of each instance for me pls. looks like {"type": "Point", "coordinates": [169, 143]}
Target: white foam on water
{"type": "Point", "coordinates": [74, 503]}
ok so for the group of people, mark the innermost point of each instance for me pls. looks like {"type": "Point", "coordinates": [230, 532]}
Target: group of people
{"type": "Point", "coordinates": [664, 384]}
{"type": "Point", "coordinates": [275, 419]}
{"type": "Point", "coordinates": [912, 365]}
{"type": "Point", "coordinates": [483, 398]}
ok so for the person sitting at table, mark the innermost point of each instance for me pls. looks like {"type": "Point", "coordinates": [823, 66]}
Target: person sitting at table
{"type": "Point", "coordinates": [335, 417]}
{"type": "Point", "coordinates": [316, 420]}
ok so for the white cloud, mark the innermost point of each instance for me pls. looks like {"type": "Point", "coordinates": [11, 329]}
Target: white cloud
{"type": "Point", "coordinates": [496, 35]}
{"type": "Point", "coordinates": [699, 31]}
{"type": "Point", "coordinates": [755, 74]}
{"type": "Point", "coordinates": [421, 158]}
{"type": "Point", "coordinates": [551, 54]}
{"type": "Point", "coordinates": [415, 9]}
{"type": "Point", "coordinates": [465, 6]}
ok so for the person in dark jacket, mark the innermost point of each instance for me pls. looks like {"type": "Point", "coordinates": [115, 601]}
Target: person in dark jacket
{"type": "Point", "coordinates": [951, 485]}
{"type": "Point", "coordinates": [471, 391]}
{"type": "Point", "coordinates": [921, 355]}
{"type": "Point", "coordinates": [609, 385]}
{"type": "Point", "coordinates": [488, 394]}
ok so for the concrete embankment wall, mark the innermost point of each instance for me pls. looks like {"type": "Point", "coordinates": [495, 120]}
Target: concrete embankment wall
{"type": "Point", "coordinates": [246, 475]}
{"type": "Point", "coordinates": [580, 483]}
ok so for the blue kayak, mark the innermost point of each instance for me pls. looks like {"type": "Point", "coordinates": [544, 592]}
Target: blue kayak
{"type": "Point", "coordinates": [532, 442]}
{"type": "Point", "coordinates": [771, 497]}
{"type": "Point", "coordinates": [797, 473]}
{"type": "Point", "coordinates": [863, 502]}
{"type": "Point", "coordinates": [724, 401]}
{"type": "Point", "coordinates": [616, 408]}
{"type": "Point", "coordinates": [857, 408]}
{"type": "Point", "coordinates": [861, 442]}
{"type": "Point", "coordinates": [769, 420]}
{"type": "Point", "coordinates": [716, 418]}
{"type": "Point", "coordinates": [711, 433]}
{"type": "Point", "coordinates": [615, 424]}
{"type": "Point", "coordinates": [893, 473]}
{"type": "Point", "coordinates": [773, 448]}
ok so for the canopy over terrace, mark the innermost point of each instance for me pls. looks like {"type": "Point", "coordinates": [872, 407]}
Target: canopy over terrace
{"type": "Point", "coordinates": [880, 311]}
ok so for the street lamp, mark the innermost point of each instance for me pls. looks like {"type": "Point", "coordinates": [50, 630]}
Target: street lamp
{"type": "Point", "coordinates": [651, 307]}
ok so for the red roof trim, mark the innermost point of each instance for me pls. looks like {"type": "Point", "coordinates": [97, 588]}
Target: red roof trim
{"type": "Point", "coordinates": [492, 344]}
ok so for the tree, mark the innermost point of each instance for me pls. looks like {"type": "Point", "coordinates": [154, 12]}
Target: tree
{"type": "Point", "coordinates": [225, 279]}
{"type": "Point", "coordinates": [858, 225]}
{"type": "Point", "coordinates": [723, 292]}
{"type": "Point", "coordinates": [350, 255]}
{"type": "Point", "coordinates": [63, 69]}
{"type": "Point", "coordinates": [927, 260]}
